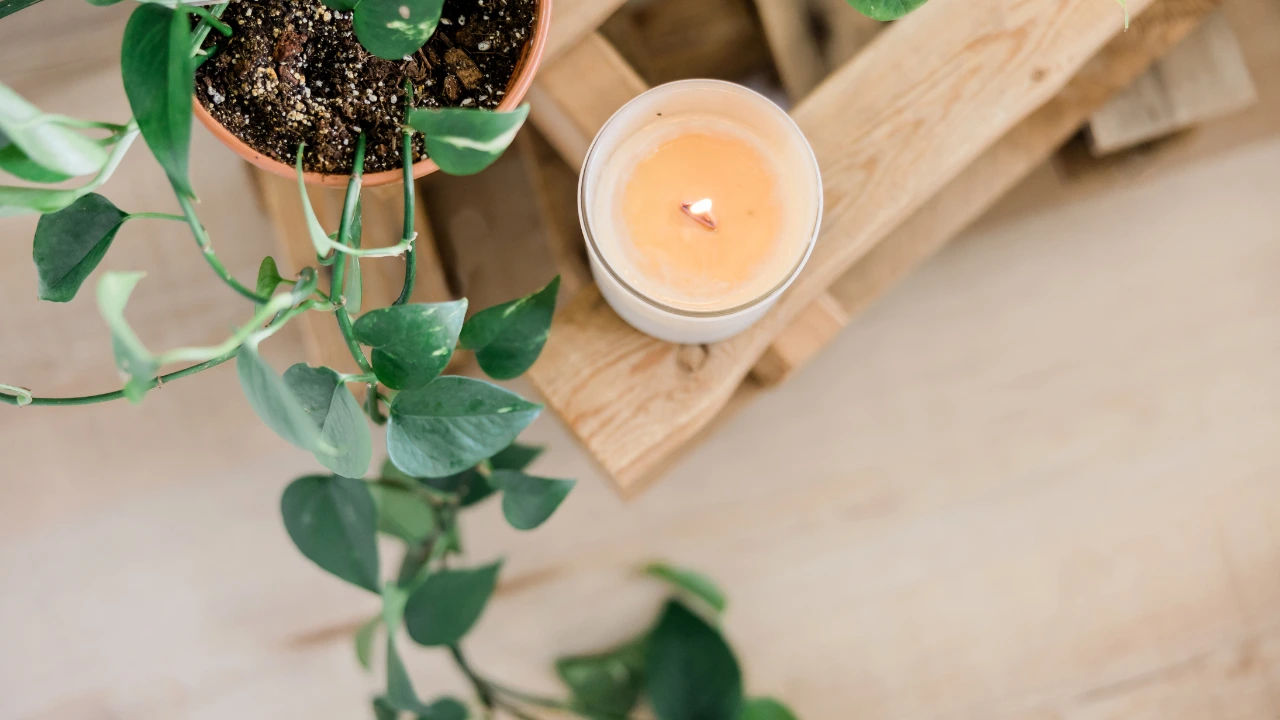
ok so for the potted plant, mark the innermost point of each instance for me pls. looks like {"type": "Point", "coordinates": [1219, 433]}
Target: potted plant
{"type": "Point", "coordinates": [451, 440]}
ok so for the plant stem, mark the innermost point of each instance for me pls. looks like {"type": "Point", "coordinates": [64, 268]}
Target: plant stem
{"type": "Point", "coordinates": [411, 257]}
{"type": "Point", "coordinates": [119, 394]}
{"type": "Point", "coordinates": [340, 267]}
{"type": "Point", "coordinates": [482, 688]}
{"type": "Point", "coordinates": [155, 216]}
{"type": "Point", "coordinates": [206, 247]}
{"type": "Point", "coordinates": [529, 698]}
{"type": "Point", "coordinates": [202, 30]}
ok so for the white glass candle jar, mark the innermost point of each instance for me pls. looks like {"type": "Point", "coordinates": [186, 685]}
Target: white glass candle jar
{"type": "Point", "coordinates": [700, 201]}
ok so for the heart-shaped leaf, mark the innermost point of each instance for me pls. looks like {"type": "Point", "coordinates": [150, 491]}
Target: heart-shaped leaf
{"type": "Point", "coordinates": [70, 243]}
{"type": "Point", "coordinates": [275, 403]}
{"type": "Point", "coordinates": [508, 338]}
{"type": "Point", "coordinates": [332, 521]}
{"type": "Point", "coordinates": [528, 501]}
{"type": "Point", "coordinates": [45, 142]}
{"type": "Point", "coordinates": [27, 200]}
{"type": "Point", "coordinates": [885, 10]}
{"type": "Point", "coordinates": [335, 411]}
{"type": "Point", "coordinates": [694, 583]}
{"type": "Point", "coordinates": [268, 277]}
{"type": "Point", "coordinates": [449, 603]}
{"type": "Point", "coordinates": [607, 685]}
{"type": "Point", "coordinates": [690, 672]}
{"type": "Point", "coordinates": [159, 73]}
{"type": "Point", "coordinates": [133, 359]}
{"type": "Point", "coordinates": [452, 424]}
{"type": "Point", "coordinates": [464, 141]}
{"type": "Point", "coordinates": [412, 344]}
{"type": "Point", "coordinates": [765, 709]}
{"type": "Point", "coordinates": [403, 513]}
{"type": "Point", "coordinates": [392, 29]}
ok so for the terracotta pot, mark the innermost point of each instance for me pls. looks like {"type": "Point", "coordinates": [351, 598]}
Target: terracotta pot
{"type": "Point", "coordinates": [520, 83]}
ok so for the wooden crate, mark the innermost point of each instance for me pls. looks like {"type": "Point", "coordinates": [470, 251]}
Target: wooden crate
{"type": "Point", "coordinates": [981, 92]}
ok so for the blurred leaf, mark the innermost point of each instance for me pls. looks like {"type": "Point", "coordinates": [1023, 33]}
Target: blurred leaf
{"type": "Point", "coordinates": [606, 686]}
{"type": "Point", "coordinates": [382, 709]}
{"type": "Point", "coordinates": [452, 424]}
{"type": "Point", "coordinates": [885, 10]}
{"type": "Point", "coordinates": [159, 73]}
{"type": "Point", "coordinates": [765, 709]}
{"type": "Point", "coordinates": [26, 200]}
{"type": "Point", "coordinates": [476, 486]}
{"type": "Point", "coordinates": [412, 344]}
{"type": "Point", "coordinates": [70, 243]}
{"type": "Point", "coordinates": [464, 141]}
{"type": "Point", "coordinates": [516, 457]}
{"type": "Point", "coordinates": [133, 359]}
{"type": "Point", "coordinates": [9, 7]}
{"type": "Point", "coordinates": [332, 521]}
{"type": "Point", "coordinates": [694, 583]}
{"type": "Point", "coordinates": [343, 5]}
{"type": "Point", "coordinates": [449, 603]}
{"type": "Point", "coordinates": [690, 672]}
{"type": "Point", "coordinates": [528, 501]}
{"type": "Point", "coordinates": [392, 29]}
{"type": "Point", "coordinates": [508, 338]}
{"type": "Point", "coordinates": [45, 142]}
{"type": "Point", "coordinates": [335, 411]}
{"type": "Point", "coordinates": [273, 401]}
{"type": "Point", "coordinates": [16, 163]}
{"type": "Point", "coordinates": [402, 513]}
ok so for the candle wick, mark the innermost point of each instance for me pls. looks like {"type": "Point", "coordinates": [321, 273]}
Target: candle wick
{"type": "Point", "coordinates": [700, 212]}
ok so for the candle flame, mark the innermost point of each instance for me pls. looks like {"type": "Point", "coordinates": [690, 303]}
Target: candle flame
{"type": "Point", "coordinates": [700, 211]}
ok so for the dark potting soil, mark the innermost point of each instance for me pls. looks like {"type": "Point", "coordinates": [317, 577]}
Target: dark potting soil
{"type": "Point", "coordinates": [294, 72]}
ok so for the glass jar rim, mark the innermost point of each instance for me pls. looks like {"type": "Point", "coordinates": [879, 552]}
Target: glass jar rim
{"type": "Point", "coordinates": [597, 255]}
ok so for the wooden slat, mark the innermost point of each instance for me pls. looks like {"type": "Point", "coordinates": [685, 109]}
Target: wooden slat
{"type": "Point", "coordinates": [887, 143]}
{"type": "Point", "coordinates": [811, 330]}
{"type": "Point", "coordinates": [1204, 77]}
{"type": "Point", "coordinates": [985, 181]}
{"type": "Point", "coordinates": [573, 20]}
{"type": "Point", "coordinates": [795, 49]}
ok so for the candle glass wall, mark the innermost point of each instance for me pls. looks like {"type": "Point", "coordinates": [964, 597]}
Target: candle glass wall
{"type": "Point", "coordinates": [700, 201]}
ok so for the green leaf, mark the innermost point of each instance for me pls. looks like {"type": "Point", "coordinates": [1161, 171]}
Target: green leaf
{"type": "Point", "coordinates": [392, 29]}
{"type": "Point", "coordinates": [16, 163]}
{"type": "Point", "coordinates": [159, 73]}
{"type": "Point", "coordinates": [70, 243]}
{"type": "Point", "coordinates": [320, 240]}
{"type": "Point", "coordinates": [477, 487]}
{"type": "Point", "coordinates": [335, 411]}
{"type": "Point", "coordinates": [464, 141]}
{"type": "Point", "coordinates": [452, 424]}
{"type": "Point", "coordinates": [606, 686]}
{"type": "Point", "coordinates": [275, 403]}
{"type": "Point", "coordinates": [401, 695]}
{"type": "Point", "coordinates": [133, 359]}
{"type": "Point", "coordinates": [268, 277]}
{"type": "Point", "coordinates": [516, 457]}
{"type": "Point", "coordinates": [528, 501]}
{"type": "Point", "coordinates": [412, 344]}
{"type": "Point", "coordinates": [765, 709]}
{"type": "Point", "coordinates": [45, 142]}
{"type": "Point", "coordinates": [352, 278]}
{"type": "Point", "coordinates": [382, 709]}
{"type": "Point", "coordinates": [885, 10]}
{"type": "Point", "coordinates": [364, 641]}
{"type": "Point", "coordinates": [694, 583]}
{"type": "Point", "coordinates": [403, 513]}
{"type": "Point", "coordinates": [331, 520]}
{"type": "Point", "coordinates": [342, 5]}
{"type": "Point", "coordinates": [26, 200]}
{"type": "Point", "coordinates": [690, 672]}
{"type": "Point", "coordinates": [449, 603]}
{"type": "Point", "coordinates": [508, 338]}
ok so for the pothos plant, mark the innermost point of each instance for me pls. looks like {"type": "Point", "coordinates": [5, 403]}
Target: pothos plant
{"type": "Point", "coordinates": [451, 440]}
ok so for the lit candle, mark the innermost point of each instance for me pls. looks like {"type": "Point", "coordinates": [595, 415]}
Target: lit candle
{"type": "Point", "coordinates": [700, 201]}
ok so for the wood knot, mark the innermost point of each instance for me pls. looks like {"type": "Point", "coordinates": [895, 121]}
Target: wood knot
{"type": "Point", "coordinates": [691, 358]}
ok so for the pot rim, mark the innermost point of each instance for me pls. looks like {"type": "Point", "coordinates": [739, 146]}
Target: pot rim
{"type": "Point", "coordinates": [520, 83]}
